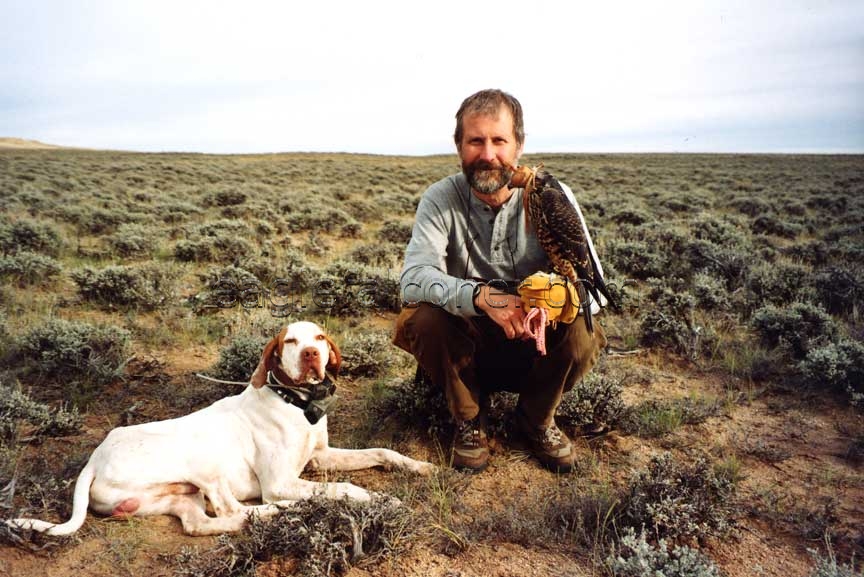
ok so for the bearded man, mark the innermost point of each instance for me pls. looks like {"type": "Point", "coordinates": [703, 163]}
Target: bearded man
{"type": "Point", "coordinates": [462, 318]}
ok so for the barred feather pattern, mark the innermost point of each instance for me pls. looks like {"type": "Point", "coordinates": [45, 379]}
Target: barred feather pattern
{"type": "Point", "coordinates": [560, 232]}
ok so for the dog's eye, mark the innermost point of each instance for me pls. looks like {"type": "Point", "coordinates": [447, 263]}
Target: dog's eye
{"type": "Point", "coordinates": [291, 341]}
{"type": "Point", "coordinates": [320, 337]}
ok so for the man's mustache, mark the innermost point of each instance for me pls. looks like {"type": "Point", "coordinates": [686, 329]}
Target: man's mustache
{"type": "Point", "coordinates": [485, 165]}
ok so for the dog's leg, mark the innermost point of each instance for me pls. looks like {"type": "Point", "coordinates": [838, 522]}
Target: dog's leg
{"type": "Point", "coordinates": [223, 501]}
{"type": "Point", "coordinates": [333, 459]}
{"type": "Point", "coordinates": [196, 521]}
{"type": "Point", "coordinates": [297, 489]}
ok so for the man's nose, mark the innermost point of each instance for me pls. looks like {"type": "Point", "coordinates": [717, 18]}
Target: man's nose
{"type": "Point", "coordinates": [488, 152]}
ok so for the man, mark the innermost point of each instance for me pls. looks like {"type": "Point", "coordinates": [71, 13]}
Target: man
{"type": "Point", "coordinates": [462, 319]}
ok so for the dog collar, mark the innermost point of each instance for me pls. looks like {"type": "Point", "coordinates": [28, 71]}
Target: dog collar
{"type": "Point", "coordinates": [315, 402]}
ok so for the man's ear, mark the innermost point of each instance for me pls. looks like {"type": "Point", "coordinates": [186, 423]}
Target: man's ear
{"type": "Point", "coordinates": [334, 363]}
{"type": "Point", "coordinates": [272, 351]}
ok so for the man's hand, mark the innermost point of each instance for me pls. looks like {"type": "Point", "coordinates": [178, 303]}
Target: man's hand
{"type": "Point", "coordinates": [504, 309]}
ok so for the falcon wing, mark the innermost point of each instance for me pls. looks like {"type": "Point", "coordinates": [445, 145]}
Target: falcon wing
{"type": "Point", "coordinates": [567, 227]}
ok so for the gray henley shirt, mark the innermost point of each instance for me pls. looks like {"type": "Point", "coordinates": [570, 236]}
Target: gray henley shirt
{"type": "Point", "coordinates": [458, 241]}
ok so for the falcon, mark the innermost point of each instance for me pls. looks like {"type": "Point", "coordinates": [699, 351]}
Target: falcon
{"type": "Point", "coordinates": [563, 235]}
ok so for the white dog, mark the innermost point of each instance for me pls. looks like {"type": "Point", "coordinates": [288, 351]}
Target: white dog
{"type": "Point", "coordinates": [250, 446]}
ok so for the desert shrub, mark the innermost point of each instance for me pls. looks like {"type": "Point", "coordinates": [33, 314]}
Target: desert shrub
{"type": "Point", "coordinates": [830, 203]}
{"type": "Point", "coordinates": [800, 327]}
{"type": "Point", "coordinates": [81, 355]}
{"type": "Point", "coordinates": [263, 228]}
{"type": "Point", "coordinates": [100, 220]}
{"type": "Point", "coordinates": [828, 567]}
{"type": "Point", "coordinates": [194, 250]}
{"type": "Point", "coordinates": [362, 210]}
{"type": "Point", "coordinates": [637, 259]}
{"type": "Point", "coordinates": [28, 268]}
{"type": "Point", "coordinates": [317, 219]}
{"type": "Point", "coordinates": [395, 232]}
{"type": "Point", "coordinates": [369, 354]}
{"type": "Point", "coordinates": [326, 538]}
{"type": "Point", "coordinates": [671, 322]}
{"type": "Point", "coordinates": [815, 252]}
{"type": "Point", "coordinates": [685, 203]}
{"type": "Point", "coordinates": [635, 216]}
{"type": "Point", "coordinates": [634, 556]}
{"type": "Point", "coordinates": [15, 406]}
{"type": "Point", "coordinates": [236, 275]}
{"type": "Point", "coordinates": [347, 290]}
{"type": "Point", "coordinates": [222, 239]}
{"type": "Point", "coordinates": [838, 366]}
{"type": "Point", "coordinates": [729, 263]}
{"type": "Point", "coordinates": [597, 399]}
{"type": "Point", "coordinates": [678, 501]}
{"type": "Point", "coordinates": [849, 250]}
{"type": "Point", "coordinates": [396, 203]}
{"type": "Point", "coordinates": [418, 403]}
{"type": "Point", "coordinates": [211, 248]}
{"type": "Point", "coordinates": [770, 224]}
{"type": "Point", "coordinates": [652, 249]}
{"type": "Point", "coordinates": [380, 255]}
{"type": "Point", "coordinates": [237, 361]}
{"type": "Point", "coordinates": [839, 289]}
{"type": "Point", "coordinates": [225, 197]}
{"type": "Point", "coordinates": [29, 235]}
{"type": "Point", "coordinates": [721, 231]}
{"type": "Point", "coordinates": [133, 240]}
{"type": "Point", "coordinates": [777, 283]}
{"type": "Point", "coordinates": [750, 205]}
{"type": "Point", "coordinates": [710, 293]}
{"type": "Point", "coordinates": [144, 287]}
{"type": "Point", "coordinates": [351, 230]}
{"type": "Point", "coordinates": [222, 228]}
{"type": "Point", "coordinates": [230, 286]}
{"type": "Point", "coordinates": [176, 211]}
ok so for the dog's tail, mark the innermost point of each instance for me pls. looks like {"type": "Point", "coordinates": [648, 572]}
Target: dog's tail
{"type": "Point", "coordinates": [80, 502]}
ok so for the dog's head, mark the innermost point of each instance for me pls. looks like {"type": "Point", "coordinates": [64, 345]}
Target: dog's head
{"type": "Point", "coordinates": [303, 351]}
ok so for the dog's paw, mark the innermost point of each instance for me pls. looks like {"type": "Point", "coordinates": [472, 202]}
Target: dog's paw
{"type": "Point", "coordinates": [425, 469]}
{"type": "Point", "coordinates": [386, 499]}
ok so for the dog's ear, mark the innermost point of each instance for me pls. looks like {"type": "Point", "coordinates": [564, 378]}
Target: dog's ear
{"type": "Point", "coordinates": [272, 351]}
{"type": "Point", "coordinates": [334, 363]}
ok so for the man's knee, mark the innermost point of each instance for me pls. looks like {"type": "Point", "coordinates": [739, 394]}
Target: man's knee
{"type": "Point", "coordinates": [430, 321]}
{"type": "Point", "coordinates": [583, 348]}
{"type": "Point", "coordinates": [428, 324]}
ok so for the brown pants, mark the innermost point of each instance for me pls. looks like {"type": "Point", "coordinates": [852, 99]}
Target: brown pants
{"type": "Point", "coordinates": [472, 357]}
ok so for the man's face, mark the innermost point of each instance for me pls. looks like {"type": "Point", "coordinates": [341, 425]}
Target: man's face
{"type": "Point", "coordinates": [488, 141]}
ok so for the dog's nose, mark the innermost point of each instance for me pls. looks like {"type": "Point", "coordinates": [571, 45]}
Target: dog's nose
{"type": "Point", "coordinates": [310, 354]}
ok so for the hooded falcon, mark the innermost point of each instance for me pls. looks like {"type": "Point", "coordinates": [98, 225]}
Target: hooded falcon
{"type": "Point", "coordinates": [563, 235]}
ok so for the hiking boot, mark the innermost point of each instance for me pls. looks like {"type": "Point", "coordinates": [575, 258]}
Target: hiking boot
{"type": "Point", "coordinates": [549, 444]}
{"type": "Point", "coordinates": [470, 447]}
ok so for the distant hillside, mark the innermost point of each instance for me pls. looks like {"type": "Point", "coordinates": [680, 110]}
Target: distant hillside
{"type": "Point", "coordinates": [8, 142]}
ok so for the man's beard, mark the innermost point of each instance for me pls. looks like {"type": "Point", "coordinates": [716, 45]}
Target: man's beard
{"type": "Point", "coordinates": [486, 177]}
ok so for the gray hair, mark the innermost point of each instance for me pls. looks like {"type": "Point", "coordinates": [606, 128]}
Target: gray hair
{"type": "Point", "coordinates": [489, 102]}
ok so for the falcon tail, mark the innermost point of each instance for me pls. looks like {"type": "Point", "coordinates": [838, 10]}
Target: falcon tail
{"type": "Point", "coordinates": [585, 305]}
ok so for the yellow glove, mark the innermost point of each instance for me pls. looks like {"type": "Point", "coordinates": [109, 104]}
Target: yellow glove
{"type": "Point", "coordinates": [551, 292]}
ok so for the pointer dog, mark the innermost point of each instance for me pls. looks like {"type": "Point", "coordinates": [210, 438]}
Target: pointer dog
{"type": "Point", "coordinates": [250, 446]}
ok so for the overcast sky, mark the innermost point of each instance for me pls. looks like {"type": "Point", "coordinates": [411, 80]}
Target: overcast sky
{"type": "Point", "coordinates": [387, 77]}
